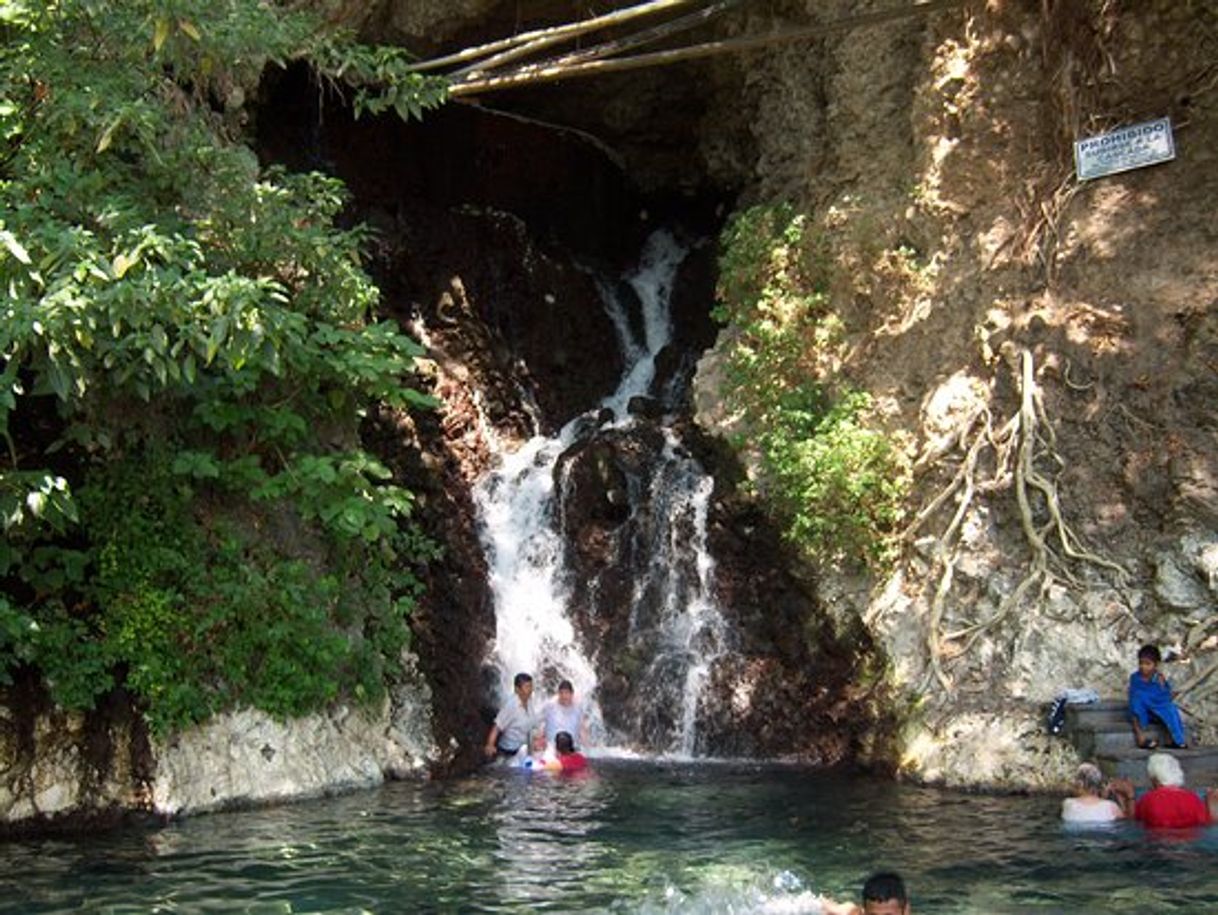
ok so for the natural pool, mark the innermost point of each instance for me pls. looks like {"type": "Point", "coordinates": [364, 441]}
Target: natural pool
{"type": "Point", "coordinates": [629, 837]}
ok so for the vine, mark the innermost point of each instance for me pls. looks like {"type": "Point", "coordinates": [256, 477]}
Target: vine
{"type": "Point", "coordinates": [1019, 447]}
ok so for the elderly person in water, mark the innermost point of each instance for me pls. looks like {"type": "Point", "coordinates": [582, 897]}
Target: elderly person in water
{"type": "Point", "coordinates": [1093, 803]}
{"type": "Point", "coordinates": [1168, 804]}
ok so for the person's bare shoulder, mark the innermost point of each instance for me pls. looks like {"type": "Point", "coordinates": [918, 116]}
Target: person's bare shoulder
{"type": "Point", "coordinates": [829, 907]}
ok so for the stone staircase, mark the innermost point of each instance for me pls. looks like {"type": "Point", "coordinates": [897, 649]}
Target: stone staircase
{"type": "Point", "coordinates": [1101, 732]}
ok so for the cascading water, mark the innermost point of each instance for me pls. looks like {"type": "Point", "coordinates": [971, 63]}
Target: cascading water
{"type": "Point", "coordinates": [689, 630]}
{"type": "Point", "coordinates": [675, 628]}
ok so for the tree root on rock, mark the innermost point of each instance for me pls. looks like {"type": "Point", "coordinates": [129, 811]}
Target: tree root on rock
{"type": "Point", "coordinates": [1022, 443]}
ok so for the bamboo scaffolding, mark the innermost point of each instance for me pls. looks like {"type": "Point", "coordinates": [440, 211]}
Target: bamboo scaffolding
{"type": "Point", "coordinates": [604, 49]}
{"type": "Point", "coordinates": [555, 70]}
{"type": "Point", "coordinates": [552, 35]}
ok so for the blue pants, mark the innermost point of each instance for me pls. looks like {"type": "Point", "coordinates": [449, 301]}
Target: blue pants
{"type": "Point", "coordinates": [1143, 706]}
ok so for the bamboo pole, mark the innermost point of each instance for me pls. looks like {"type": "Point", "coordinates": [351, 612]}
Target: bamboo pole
{"type": "Point", "coordinates": [478, 69]}
{"type": "Point", "coordinates": [636, 39]}
{"type": "Point", "coordinates": [553, 34]}
{"type": "Point", "coordinates": [554, 71]}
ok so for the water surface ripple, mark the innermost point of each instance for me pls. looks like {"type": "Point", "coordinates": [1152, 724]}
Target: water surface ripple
{"type": "Point", "coordinates": [628, 838]}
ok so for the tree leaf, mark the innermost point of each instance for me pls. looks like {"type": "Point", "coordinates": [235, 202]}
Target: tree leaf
{"type": "Point", "coordinates": [103, 142]}
{"type": "Point", "coordinates": [159, 33]}
{"type": "Point", "coordinates": [14, 247]}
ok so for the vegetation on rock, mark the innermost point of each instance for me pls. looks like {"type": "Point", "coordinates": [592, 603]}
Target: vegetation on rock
{"type": "Point", "coordinates": [187, 343]}
{"type": "Point", "coordinates": [836, 483]}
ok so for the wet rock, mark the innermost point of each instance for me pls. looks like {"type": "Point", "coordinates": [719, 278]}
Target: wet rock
{"type": "Point", "coordinates": [671, 369]}
{"type": "Point", "coordinates": [453, 621]}
{"type": "Point", "coordinates": [646, 407]}
{"type": "Point", "coordinates": [485, 212]}
{"type": "Point", "coordinates": [599, 477]}
{"type": "Point", "coordinates": [64, 770]}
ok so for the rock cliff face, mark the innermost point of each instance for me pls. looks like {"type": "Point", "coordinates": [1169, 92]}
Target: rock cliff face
{"type": "Point", "coordinates": [68, 770]}
{"type": "Point", "coordinates": [495, 232]}
{"type": "Point", "coordinates": [985, 295]}
{"type": "Point", "coordinates": [936, 157]}
{"type": "Point", "coordinates": [973, 276]}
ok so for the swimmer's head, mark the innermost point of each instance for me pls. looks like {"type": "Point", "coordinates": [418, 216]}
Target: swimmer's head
{"type": "Point", "coordinates": [884, 894]}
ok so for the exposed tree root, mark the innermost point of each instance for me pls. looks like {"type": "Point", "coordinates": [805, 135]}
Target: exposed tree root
{"type": "Point", "coordinates": [1196, 682]}
{"type": "Point", "coordinates": [1019, 447]}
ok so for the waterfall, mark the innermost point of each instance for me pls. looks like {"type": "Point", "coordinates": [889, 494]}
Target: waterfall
{"type": "Point", "coordinates": [673, 619]}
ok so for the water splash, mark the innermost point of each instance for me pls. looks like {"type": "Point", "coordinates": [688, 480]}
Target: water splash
{"type": "Point", "coordinates": [520, 506]}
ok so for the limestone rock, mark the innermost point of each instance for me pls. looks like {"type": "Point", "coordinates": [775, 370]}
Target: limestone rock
{"type": "Point", "coordinates": [1176, 587]}
{"type": "Point", "coordinates": [247, 757]}
{"type": "Point", "coordinates": [74, 767]}
{"type": "Point", "coordinates": [1186, 577]}
{"type": "Point", "coordinates": [990, 751]}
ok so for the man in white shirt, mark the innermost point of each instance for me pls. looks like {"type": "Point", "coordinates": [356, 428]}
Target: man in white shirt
{"type": "Point", "coordinates": [518, 724]}
{"type": "Point", "coordinates": [563, 713]}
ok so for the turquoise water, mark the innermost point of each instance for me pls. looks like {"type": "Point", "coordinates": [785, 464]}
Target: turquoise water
{"type": "Point", "coordinates": [641, 837]}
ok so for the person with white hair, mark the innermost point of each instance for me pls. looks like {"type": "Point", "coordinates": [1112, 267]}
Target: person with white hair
{"type": "Point", "coordinates": [1093, 803]}
{"type": "Point", "coordinates": [1168, 804]}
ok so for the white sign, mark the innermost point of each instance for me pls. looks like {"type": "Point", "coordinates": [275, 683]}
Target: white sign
{"type": "Point", "coordinates": [1121, 150]}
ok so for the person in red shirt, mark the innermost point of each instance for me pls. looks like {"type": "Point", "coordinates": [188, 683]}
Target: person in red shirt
{"type": "Point", "coordinates": [1168, 804]}
{"type": "Point", "coordinates": [568, 759]}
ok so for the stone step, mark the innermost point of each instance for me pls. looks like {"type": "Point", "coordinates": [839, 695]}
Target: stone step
{"type": "Point", "coordinates": [1109, 739]}
{"type": "Point", "coordinates": [1109, 715]}
{"type": "Point", "coordinates": [1200, 765]}
{"type": "Point", "coordinates": [1092, 715]}
{"type": "Point", "coordinates": [1101, 731]}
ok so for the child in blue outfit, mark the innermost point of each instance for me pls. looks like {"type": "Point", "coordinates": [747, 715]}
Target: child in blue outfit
{"type": "Point", "coordinates": [1150, 694]}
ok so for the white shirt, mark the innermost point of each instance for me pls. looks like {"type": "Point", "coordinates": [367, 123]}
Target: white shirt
{"type": "Point", "coordinates": [1076, 810]}
{"type": "Point", "coordinates": [561, 717]}
{"type": "Point", "coordinates": [516, 722]}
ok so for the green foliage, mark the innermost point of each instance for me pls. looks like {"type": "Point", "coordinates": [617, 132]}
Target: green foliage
{"type": "Point", "coordinates": [17, 630]}
{"type": "Point", "coordinates": [187, 343]}
{"type": "Point", "coordinates": [837, 484]}
{"type": "Point", "coordinates": [383, 79]}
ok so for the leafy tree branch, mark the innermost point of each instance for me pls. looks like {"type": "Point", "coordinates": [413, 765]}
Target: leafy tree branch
{"type": "Point", "coordinates": [187, 342]}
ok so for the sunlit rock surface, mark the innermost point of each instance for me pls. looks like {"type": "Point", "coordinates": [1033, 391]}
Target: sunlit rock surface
{"type": "Point", "coordinates": [985, 750]}
{"type": "Point", "coordinates": [900, 139]}
{"type": "Point", "coordinates": [248, 758]}
{"type": "Point", "coordinates": [60, 769]}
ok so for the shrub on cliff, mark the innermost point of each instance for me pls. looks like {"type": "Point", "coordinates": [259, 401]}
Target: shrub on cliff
{"type": "Point", "coordinates": [836, 483]}
{"type": "Point", "coordinates": [186, 345]}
